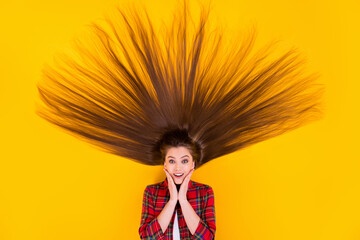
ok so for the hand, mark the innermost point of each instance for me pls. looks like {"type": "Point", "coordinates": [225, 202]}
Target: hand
{"type": "Point", "coordinates": [172, 187]}
{"type": "Point", "coordinates": [184, 187]}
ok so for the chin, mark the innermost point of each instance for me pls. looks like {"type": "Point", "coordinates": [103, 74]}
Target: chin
{"type": "Point", "coordinates": [178, 181]}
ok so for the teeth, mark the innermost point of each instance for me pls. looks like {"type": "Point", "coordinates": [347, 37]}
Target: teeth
{"type": "Point", "coordinates": [178, 175]}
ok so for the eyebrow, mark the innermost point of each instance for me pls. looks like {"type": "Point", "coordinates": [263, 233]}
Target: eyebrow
{"type": "Point", "coordinates": [181, 157]}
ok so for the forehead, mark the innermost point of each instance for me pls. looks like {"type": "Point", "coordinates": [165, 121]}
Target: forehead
{"type": "Point", "coordinates": [177, 152]}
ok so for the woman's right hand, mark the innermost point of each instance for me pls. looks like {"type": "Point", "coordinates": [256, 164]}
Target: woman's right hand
{"type": "Point", "coordinates": [172, 187]}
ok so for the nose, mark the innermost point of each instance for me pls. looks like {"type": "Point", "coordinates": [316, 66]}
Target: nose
{"type": "Point", "coordinates": [177, 167]}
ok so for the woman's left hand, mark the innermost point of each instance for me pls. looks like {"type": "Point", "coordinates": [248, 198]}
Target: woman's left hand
{"type": "Point", "coordinates": [184, 187]}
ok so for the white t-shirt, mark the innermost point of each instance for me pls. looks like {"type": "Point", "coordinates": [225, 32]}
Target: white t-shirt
{"type": "Point", "coordinates": [176, 231]}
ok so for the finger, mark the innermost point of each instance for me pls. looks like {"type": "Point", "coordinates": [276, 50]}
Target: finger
{"type": "Point", "coordinates": [169, 178]}
{"type": "Point", "coordinates": [186, 180]}
{"type": "Point", "coordinates": [189, 174]}
{"type": "Point", "coordinates": [167, 174]}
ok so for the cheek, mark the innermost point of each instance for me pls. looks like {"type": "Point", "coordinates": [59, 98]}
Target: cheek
{"type": "Point", "coordinates": [188, 168]}
{"type": "Point", "coordinates": [168, 168]}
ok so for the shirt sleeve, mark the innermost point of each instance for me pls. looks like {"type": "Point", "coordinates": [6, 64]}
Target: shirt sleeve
{"type": "Point", "coordinates": [149, 225]}
{"type": "Point", "coordinates": [206, 228]}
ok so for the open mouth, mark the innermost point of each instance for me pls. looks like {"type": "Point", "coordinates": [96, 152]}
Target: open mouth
{"type": "Point", "coordinates": [178, 175]}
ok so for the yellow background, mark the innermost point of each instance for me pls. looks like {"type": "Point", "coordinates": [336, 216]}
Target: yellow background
{"type": "Point", "coordinates": [301, 185]}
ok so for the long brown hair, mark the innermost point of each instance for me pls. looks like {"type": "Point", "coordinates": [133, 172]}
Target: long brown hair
{"type": "Point", "coordinates": [128, 86]}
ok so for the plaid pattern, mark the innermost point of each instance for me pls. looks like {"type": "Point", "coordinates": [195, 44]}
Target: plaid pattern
{"type": "Point", "coordinates": [200, 197]}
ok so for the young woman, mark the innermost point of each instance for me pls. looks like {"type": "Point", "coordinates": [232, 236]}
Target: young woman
{"type": "Point", "coordinates": [178, 99]}
{"type": "Point", "coordinates": [178, 208]}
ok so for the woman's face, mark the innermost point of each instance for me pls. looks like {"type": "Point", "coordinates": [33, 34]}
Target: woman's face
{"type": "Point", "coordinates": [178, 160]}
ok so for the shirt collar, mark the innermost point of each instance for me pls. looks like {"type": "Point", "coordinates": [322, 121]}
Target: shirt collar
{"type": "Point", "coordinates": [165, 183]}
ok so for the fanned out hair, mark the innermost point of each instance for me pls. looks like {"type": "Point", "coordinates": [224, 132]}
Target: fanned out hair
{"type": "Point", "coordinates": [133, 85]}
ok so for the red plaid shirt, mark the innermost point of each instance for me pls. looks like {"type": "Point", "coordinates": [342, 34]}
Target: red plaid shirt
{"type": "Point", "coordinates": [200, 197]}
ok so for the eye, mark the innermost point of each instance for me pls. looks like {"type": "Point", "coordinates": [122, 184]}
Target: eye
{"type": "Point", "coordinates": [185, 161]}
{"type": "Point", "coordinates": [171, 161]}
